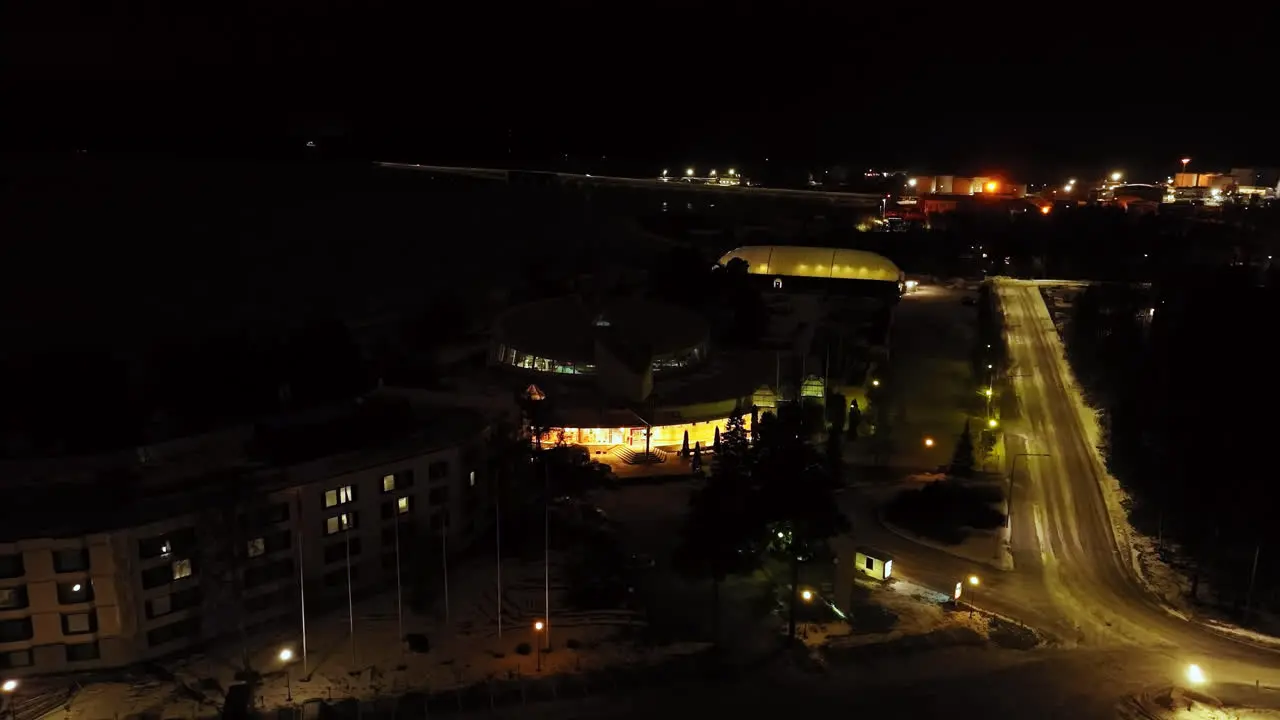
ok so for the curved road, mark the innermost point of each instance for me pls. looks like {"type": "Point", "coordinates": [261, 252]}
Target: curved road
{"type": "Point", "coordinates": [1073, 578]}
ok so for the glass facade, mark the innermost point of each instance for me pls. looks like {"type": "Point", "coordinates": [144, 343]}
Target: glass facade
{"type": "Point", "coordinates": [663, 435]}
{"type": "Point", "coordinates": [507, 355]}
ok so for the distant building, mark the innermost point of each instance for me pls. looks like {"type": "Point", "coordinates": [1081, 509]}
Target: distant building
{"type": "Point", "coordinates": [953, 185]}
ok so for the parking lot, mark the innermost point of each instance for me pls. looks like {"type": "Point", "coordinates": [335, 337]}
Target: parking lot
{"type": "Point", "coordinates": [932, 388]}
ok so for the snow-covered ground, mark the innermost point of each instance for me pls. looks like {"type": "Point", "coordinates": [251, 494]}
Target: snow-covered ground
{"type": "Point", "coordinates": [465, 649]}
{"type": "Point", "coordinates": [904, 611]}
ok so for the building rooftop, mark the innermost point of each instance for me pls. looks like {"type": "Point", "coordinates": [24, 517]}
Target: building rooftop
{"type": "Point", "coordinates": [566, 328]}
{"type": "Point", "coordinates": [110, 492]}
{"type": "Point", "coordinates": [815, 262]}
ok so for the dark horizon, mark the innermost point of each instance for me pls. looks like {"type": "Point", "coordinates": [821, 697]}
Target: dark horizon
{"type": "Point", "coordinates": [652, 84]}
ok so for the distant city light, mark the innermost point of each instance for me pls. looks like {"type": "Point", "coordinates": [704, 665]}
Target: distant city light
{"type": "Point", "coordinates": [664, 173]}
{"type": "Point", "coordinates": [689, 172]}
{"type": "Point", "coordinates": [1115, 176]}
{"type": "Point", "coordinates": [911, 182]}
{"type": "Point", "coordinates": [732, 171]}
{"type": "Point", "coordinates": [991, 186]}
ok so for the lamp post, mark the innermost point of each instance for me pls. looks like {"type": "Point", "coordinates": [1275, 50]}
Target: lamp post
{"type": "Point", "coordinates": [974, 582]}
{"type": "Point", "coordinates": [10, 688]}
{"type": "Point", "coordinates": [537, 640]}
{"type": "Point", "coordinates": [285, 656]}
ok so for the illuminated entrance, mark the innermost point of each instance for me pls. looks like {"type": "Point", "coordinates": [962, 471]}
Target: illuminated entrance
{"type": "Point", "coordinates": [704, 432]}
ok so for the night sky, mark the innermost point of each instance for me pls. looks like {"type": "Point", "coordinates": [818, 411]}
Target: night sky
{"type": "Point", "coordinates": [1041, 89]}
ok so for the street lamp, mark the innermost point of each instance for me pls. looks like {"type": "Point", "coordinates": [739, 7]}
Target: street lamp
{"type": "Point", "coordinates": [807, 595]}
{"type": "Point", "coordinates": [1185, 162]}
{"type": "Point", "coordinates": [1115, 176]}
{"type": "Point", "coordinates": [688, 173]}
{"type": "Point", "coordinates": [928, 442]}
{"type": "Point", "coordinates": [1195, 675]}
{"type": "Point", "coordinates": [537, 637]}
{"type": "Point", "coordinates": [286, 654]}
{"type": "Point", "coordinates": [973, 583]}
{"type": "Point", "coordinates": [10, 687]}
{"type": "Point", "coordinates": [993, 423]}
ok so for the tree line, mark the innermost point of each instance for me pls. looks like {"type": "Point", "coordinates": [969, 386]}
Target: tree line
{"type": "Point", "coordinates": [1182, 375]}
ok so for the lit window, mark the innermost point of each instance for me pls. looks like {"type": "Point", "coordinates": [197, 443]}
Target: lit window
{"type": "Point", "coordinates": [471, 478]}
{"type": "Point", "coordinates": [402, 505]}
{"type": "Point", "coordinates": [181, 569]}
{"type": "Point", "coordinates": [257, 546]}
{"type": "Point", "coordinates": [165, 549]}
{"type": "Point", "coordinates": [388, 483]}
{"type": "Point", "coordinates": [777, 283]}
{"type": "Point", "coordinates": [339, 523]}
{"type": "Point", "coordinates": [340, 496]}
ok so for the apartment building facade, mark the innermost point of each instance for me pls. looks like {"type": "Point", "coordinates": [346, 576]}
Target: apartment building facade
{"type": "Point", "coordinates": [235, 549]}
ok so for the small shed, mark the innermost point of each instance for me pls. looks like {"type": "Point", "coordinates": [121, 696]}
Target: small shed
{"type": "Point", "coordinates": [872, 562]}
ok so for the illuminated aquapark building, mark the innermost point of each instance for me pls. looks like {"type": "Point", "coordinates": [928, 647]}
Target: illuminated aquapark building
{"type": "Point", "coordinates": [828, 271]}
{"type": "Point", "coordinates": [623, 372]}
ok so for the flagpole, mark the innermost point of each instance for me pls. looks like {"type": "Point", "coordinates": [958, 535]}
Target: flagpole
{"type": "Point", "coordinates": [546, 554]}
{"type": "Point", "coordinates": [351, 606]}
{"type": "Point", "coordinates": [302, 586]}
{"type": "Point", "coordinates": [497, 514]}
{"type": "Point", "coordinates": [444, 561]}
{"type": "Point", "coordinates": [399, 593]}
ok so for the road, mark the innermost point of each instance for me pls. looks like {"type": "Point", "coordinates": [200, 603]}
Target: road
{"type": "Point", "coordinates": [850, 199]}
{"type": "Point", "coordinates": [1073, 578]}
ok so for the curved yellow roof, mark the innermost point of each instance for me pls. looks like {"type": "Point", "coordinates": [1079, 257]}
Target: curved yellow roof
{"type": "Point", "coordinates": [815, 262]}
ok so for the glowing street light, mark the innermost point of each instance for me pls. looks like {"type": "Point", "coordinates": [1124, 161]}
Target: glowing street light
{"type": "Point", "coordinates": [1195, 675]}
{"type": "Point", "coordinates": [664, 173]}
{"type": "Point", "coordinates": [538, 638]}
{"type": "Point", "coordinates": [732, 171]}
{"type": "Point", "coordinates": [1115, 176]}
{"type": "Point", "coordinates": [988, 392]}
{"type": "Point", "coordinates": [688, 173]}
{"type": "Point", "coordinates": [911, 182]}
{"type": "Point", "coordinates": [974, 582]}
{"type": "Point", "coordinates": [993, 423]}
{"type": "Point", "coordinates": [9, 686]}
{"type": "Point", "coordinates": [1185, 162]}
{"type": "Point", "coordinates": [928, 442]}
{"type": "Point", "coordinates": [875, 383]}
{"type": "Point", "coordinates": [286, 654]}
{"type": "Point", "coordinates": [807, 595]}
{"type": "Point", "coordinates": [991, 186]}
